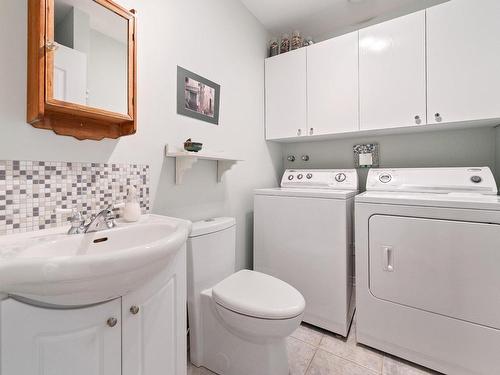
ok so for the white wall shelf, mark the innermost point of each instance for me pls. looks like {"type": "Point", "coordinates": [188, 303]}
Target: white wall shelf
{"type": "Point", "coordinates": [184, 161]}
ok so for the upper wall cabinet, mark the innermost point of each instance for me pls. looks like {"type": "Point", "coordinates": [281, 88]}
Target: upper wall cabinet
{"type": "Point", "coordinates": [82, 68]}
{"type": "Point", "coordinates": [392, 73]}
{"type": "Point", "coordinates": [440, 65]}
{"type": "Point", "coordinates": [463, 41]}
{"type": "Point", "coordinates": [286, 95]}
{"type": "Point", "coordinates": [332, 86]}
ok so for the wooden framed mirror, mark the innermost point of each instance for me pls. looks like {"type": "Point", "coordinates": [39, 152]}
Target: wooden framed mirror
{"type": "Point", "coordinates": [82, 65]}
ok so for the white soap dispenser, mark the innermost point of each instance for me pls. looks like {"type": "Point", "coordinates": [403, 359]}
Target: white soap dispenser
{"type": "Point", "coordinates": [132, 209]}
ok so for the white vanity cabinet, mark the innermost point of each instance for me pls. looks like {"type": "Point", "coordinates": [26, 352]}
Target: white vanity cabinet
{"type": "Point", "coordinates": [463, 60]}
{"type": "Point", "coordinates": [332, 86]}
{"type": "Point", "coordinates": [141, 333]}
{"type": "Point", "coordinates": [286, 95]}
{"type": "Point", "coordinates": [392, 88]}
{"type": "Point", "coordinates": [40, 341]}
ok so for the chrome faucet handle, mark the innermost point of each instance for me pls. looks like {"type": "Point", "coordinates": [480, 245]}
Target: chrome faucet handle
{"type": "Point", "coordinates": [109, 219]}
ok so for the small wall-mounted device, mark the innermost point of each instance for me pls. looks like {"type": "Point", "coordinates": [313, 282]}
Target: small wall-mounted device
{"type": "Point", "coordinates": [366, 155]}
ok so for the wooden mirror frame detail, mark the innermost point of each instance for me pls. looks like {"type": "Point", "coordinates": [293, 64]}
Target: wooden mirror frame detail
{"type": "Point", "coordinates": [65, 118]}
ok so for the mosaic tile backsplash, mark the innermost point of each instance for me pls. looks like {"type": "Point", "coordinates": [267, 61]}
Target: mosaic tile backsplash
{"type": "Point", "coordinates": [30, 191]}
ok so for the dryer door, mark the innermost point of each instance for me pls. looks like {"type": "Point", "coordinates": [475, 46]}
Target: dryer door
{"type": "Point", "coordinates": [445, 267]}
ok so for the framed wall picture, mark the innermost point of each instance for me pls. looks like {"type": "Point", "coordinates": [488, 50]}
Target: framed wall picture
{"type": "Point", "coordinates": [197, 97]}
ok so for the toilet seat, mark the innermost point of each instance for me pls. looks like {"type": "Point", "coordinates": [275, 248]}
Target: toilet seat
{"type": "Point", "coordinates": [258, 295]}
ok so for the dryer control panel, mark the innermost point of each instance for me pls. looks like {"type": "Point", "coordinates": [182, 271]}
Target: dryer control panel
{"type": "Point", "coordinates": [338, 179]}
{"type": "Point", "coordinates": [433, 180]}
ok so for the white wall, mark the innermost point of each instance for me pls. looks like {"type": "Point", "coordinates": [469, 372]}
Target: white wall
{"type": "Point", "coordinates": [217, 39]}
{"type": "Point", "coordinates": [452, 148]}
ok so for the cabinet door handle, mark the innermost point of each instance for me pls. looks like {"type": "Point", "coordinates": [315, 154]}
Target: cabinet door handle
{"type": "Point", "coordinates": [311, 131]}
{"type": "Point", "coordinates": [438, 117]}
{"type": "Point", "coordinates": [112, 322]}
{"type": "Point", "coordinates": [299, 131]}
{"type": "Point", "coordinates": [134, 309]}
{"type": "Point", "coordinates": [418, 120]}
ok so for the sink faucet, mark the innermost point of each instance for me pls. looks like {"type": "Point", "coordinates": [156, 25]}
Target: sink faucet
{"type": "Point", "coordinates": [102, 221]}
{"type": "Point", "coordinates": [105, 219]}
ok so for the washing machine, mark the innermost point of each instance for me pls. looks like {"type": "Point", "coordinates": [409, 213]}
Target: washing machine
{"type": "Point", "coordinates": [303, 234]}
{"type": "Point", "coordinates": [428, 267]}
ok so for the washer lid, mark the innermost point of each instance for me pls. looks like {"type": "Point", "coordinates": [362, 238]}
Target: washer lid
{"type": "Point", "coordinates": [212, 225]}
{"type": "Point", "coordinates": [309, 193]}
{"type": "Point", "coordinates": [259, 295]}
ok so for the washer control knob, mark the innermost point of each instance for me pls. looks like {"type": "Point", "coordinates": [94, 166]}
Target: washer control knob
{"type": "Point", "coordinates": [299, 176]}
{"type": "Point", "coordinates": [290, 177]}
{"type": "Point", "coordinates": [476, 179]}
{"type": "Point", "coordinates": [340, 177]}
{"type": "Point", "coordinates": [385, 178]}
{"type": "Point", "coordinates": [309, 176]}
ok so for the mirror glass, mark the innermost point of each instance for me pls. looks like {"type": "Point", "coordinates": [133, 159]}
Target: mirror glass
{"type": "Point", "coordinates": [91, 55]}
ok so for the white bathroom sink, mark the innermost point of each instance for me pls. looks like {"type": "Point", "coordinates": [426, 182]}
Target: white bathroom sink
{"type": "Point", "coordinates": [52, 267]}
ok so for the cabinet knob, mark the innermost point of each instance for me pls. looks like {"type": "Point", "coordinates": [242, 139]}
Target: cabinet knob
{"type": "Point", "coordinates": [112, 322]}
{"type": "Point", "coordinates": [134, 309]}
{"type": "Point", "coordinates": [311, 131]}
{"type": "Point", "coordinates": [418, 120]}
{"type": "Point", "coordinates": [299, 131]}
{"type": "Point", "coordinates": [438, 117]}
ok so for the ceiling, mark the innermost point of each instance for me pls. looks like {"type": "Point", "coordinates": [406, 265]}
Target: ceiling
{"type": "Point", "coordinates": [322, 19]}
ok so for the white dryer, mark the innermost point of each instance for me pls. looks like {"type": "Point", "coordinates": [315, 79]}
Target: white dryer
{"type": "Point", "coordinates": [428, 267]}
{"type": "Point", "coordinates": [303, 234]}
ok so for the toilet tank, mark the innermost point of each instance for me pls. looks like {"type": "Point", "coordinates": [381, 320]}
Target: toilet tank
{"type": "Point", "coordinates": [211, 252]}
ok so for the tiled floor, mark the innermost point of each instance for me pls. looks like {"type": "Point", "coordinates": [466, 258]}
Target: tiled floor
{"type": "Point", "coordinates": [316, 352]}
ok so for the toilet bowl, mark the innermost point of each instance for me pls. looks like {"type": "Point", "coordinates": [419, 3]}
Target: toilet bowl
{"type": "Point", "coordinates": [238, 321]}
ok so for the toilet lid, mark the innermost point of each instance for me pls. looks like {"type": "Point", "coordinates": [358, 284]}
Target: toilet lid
{"type": "Point", "coordinates": [259, 295]}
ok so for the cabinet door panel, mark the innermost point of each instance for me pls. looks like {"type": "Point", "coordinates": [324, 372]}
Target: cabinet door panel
{"type": "Point", "coordinates": [332, 85]}
{"type": "Point", "coordinates": [286, 95]}
{"type": "Point", "coordinates": [463, 51]}
{"type": "Point", "coordinates": [154, 335]}
{"type": "Point", "coordinates": [392, 73]}
{"type": "Point", "coordinates": [46, 341]}
{"type": "Point", "coordinates": [150, 334]}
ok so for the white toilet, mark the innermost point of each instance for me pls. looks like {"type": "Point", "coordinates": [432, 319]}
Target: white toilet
{"type": "Point", "coordinates": [238, 321]}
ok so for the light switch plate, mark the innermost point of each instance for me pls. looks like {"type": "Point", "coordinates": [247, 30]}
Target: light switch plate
{"type": "Point", "coordinates": [366, 153]}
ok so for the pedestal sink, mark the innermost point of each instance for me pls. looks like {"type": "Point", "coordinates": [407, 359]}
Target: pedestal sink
{"type": "Point", "coordinates": [54, 268]}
